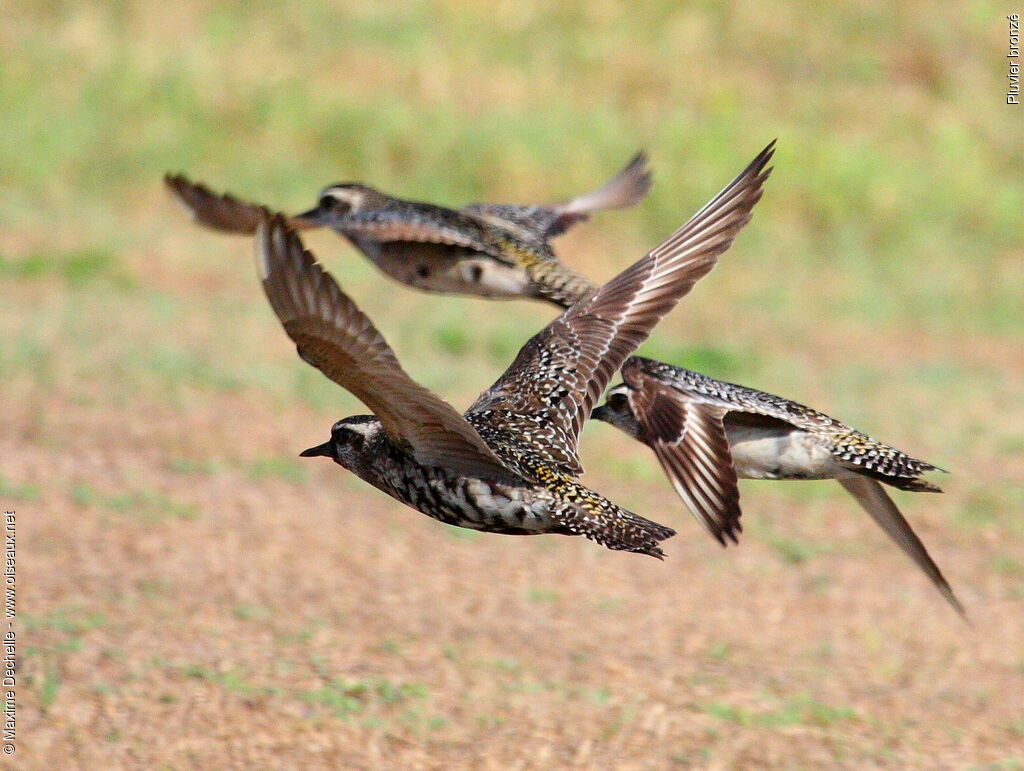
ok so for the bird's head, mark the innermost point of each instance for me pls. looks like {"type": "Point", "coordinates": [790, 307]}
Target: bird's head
{"type": "Point", "coordinates": [350, 439]}
{"type": "Point", "coordinates": [340, 200]}
{"type": "Point", "coordinates": [617, 412]}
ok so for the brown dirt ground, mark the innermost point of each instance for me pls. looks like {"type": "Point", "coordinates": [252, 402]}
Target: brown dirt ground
{"type": "Point", "coordinates": [221, 619]}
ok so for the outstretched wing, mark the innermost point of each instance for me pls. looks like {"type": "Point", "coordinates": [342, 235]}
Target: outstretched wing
{"type": "Point", "coordinates": [876, 502]}
{"type": "Point", "coordinates": [333, 335]}
{"type": "Point", "coordinates": [405, 221]}
{"type": "Point", "coordinates": [625, 189]}
{"type": "Point", "coordinates": [222, 212]}
{"type": "Point", "coordinates": [560, 373]}
{"type": "Point", "coordinates": [688, 438]}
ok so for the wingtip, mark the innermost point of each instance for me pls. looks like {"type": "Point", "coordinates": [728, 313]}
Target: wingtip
{"type": "Point", "coordinates": [172, 182]}
{"type": "Point", "coordinates": [640, 176]}
{"type": "Point", "coordinates": [639, 165]}
{"type": "Point", "coordinates": [950, 596]}
{"type": "Point", "coordinates": [177, 185]}
{"type": "Point", "coordinates": [727, 535]}
{"type": "Point", "coordinates": [639, 158]}
{"type": "Point", "coordinates": [960, 609]}
{"type": "Point", "coordinates": [626, 188]}
{"type": "Point", "coordinates": [940, 583]}
{"type": "Point", "coordinates": [760, 163]}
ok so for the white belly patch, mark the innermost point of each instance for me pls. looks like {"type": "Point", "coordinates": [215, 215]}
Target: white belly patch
{"type": "Point", "coordinates": [794, 454]}
{"type": "Point", "coordinates": [439, 268]}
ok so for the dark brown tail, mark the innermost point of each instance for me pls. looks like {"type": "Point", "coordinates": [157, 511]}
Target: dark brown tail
{"type": "Point", "coordinates": [910, 484]}
{"type": "Point", "coordinates": [642, 535]}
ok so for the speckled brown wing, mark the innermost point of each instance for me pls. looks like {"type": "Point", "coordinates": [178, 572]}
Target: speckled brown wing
{"type": "Point", "coordinates": [688, 438]}
{"type": "Point", "coordinates": [627, 188]}
{"type": "Point", "coordinates": [222, 212]}
{"type": "Point", "coordinates": [561, 372]}
{"type": "Point", "coordinates": [333, 335]}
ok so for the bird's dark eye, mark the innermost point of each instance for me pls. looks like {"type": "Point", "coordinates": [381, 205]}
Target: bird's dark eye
{"type": "Point", "coordinates": [333, 204]}
{"type": "Point", "coordinates": [345, 436]}
{"type": "Point", "coordinates": [618, 402]}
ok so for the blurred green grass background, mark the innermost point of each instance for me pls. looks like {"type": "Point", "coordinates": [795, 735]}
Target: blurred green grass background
{"type": "Point", "coordinates": [892, 222]}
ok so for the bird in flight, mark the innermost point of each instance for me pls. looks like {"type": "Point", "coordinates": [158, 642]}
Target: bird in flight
{"type": "Point", "coordinates": [716, 431]}
{"type": "Point", "coordinates": [707, 433]}
{"type": "Point", "coordinates": [509, 464]}
{"type": "Point", "coordinates": [489, 250]}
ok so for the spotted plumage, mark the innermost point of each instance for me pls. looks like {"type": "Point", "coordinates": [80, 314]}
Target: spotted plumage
{"type": "Point", "coordinates": [509, 465]}
{"type": "Point", "coordinates": [490, 250]}
{"type": "Point", "coordinates": [497, 250]}
{"type": "Point", "coordinates": [707, 433]}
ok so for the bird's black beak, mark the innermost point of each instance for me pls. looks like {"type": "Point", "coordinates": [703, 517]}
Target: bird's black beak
{"type": "Point", "coordinates": [599, 413]}
{"type": "Point", "coordinates": [324, 449]}
{"type": "Point", "coordinates": [314, 218]}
